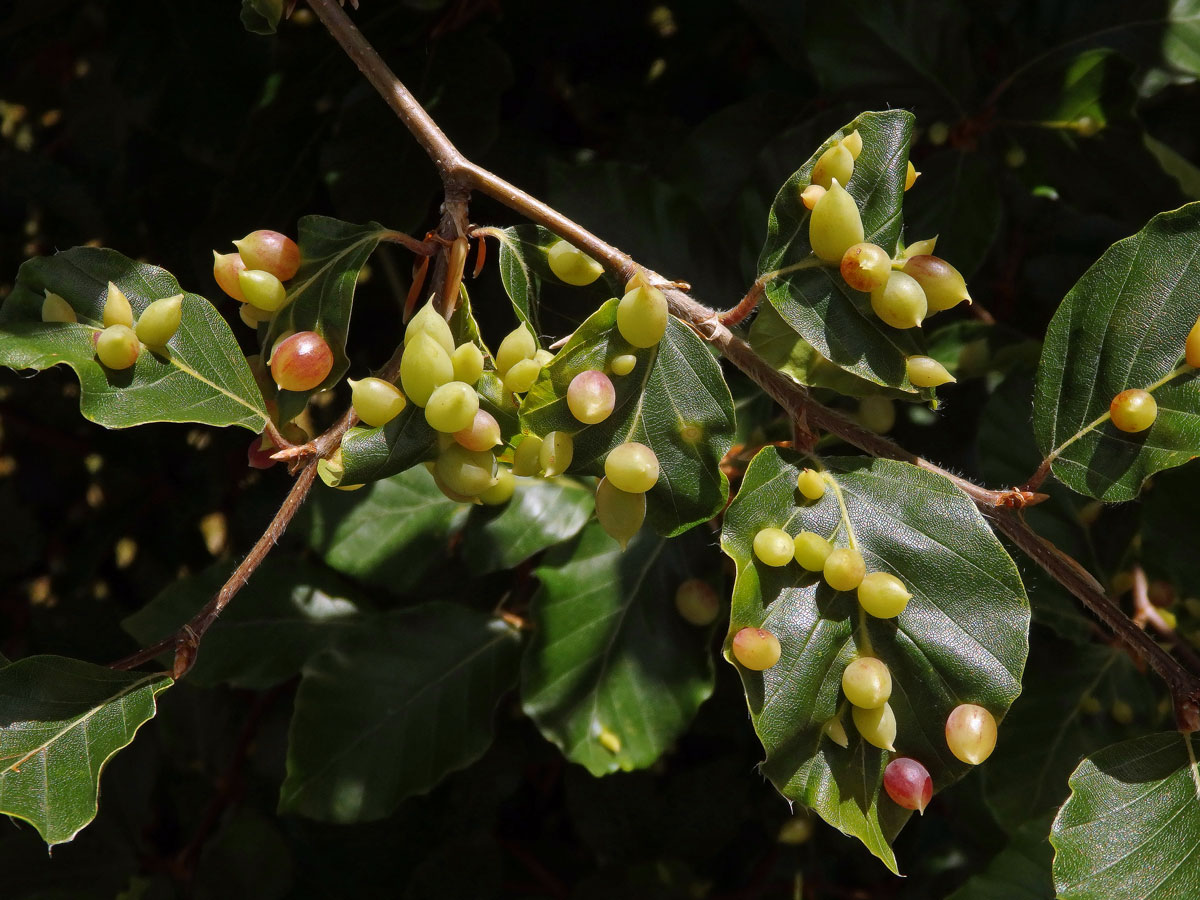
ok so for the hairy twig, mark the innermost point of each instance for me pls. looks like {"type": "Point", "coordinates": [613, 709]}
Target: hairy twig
{"type": "Point", "coordinates": [187, 639]}
{"type": "Point", "coordinates": [460, 175]}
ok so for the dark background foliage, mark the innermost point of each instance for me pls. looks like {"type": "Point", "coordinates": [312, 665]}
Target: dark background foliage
{"type": "Point", "coordinates": [166, 130]}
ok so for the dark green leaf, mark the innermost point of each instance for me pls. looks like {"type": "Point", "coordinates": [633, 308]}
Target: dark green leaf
{"type": "Point", "coordinates": [62, 721]}
{"type": "Point", "coordinates": [287, 611]}
{"type": "Point", "coordinates": [388, 534]}
{"type": "Point", "coordinates": [780, 346]}
{"type": "Point", "coordinates": [202, 376]}
{"type": "Point", "coordinates": [1063, 714]}
{"type": "Point", "coordinates": [321, 295]}
{"type": "Point", "coordinates": [369, 454]}
{"type": "Point", "coordinates": [1169, 519]}
{"type": "Point", "coordinates": [811, 296]}
{"type": "Point", "coordinates": [957, 198]}
{"type": "Point", "coordinates": [675, 402]}
{"type": "Point", "coordinates": [1131, 828]}
{"type": "Point", "coordinates": [1020, 871]}
{"type": "Point", "coordinates": [961, 639]}
{"type": "Point", "coordinates": [613, 674]}
{"type": "Point", "coordinates": [523, 268]}
{"type": "Point", "coordinates": [1123, 326]}
{"type": "Point", "coordinates": [261, 16]}
{"type": "Point", "coordinates": [542, 513]}
{"type": "Point", "coordinates": [387, 713]}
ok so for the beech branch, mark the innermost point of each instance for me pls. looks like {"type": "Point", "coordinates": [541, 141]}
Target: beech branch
{"type": "Point", "coordinates": [461, 176]}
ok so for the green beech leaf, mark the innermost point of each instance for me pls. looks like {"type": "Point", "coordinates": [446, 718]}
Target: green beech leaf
{"type": "Point", "coordinates": [1123, 326]}
{"type": "Point", "coordinates": [1131, 828]}
{"type": "Point", "coordinates": [1020, 871]}
{"type": "Point", "coordinates": [613, 674]}
{"type": "Point", "coordinates": [780, 346]}
{"type": "Point", "coordinates": [523, 267]}
{"type": "Point", "coordinates": [321, 295]}
{"type": "Point", "coordinates": [201, 377]}
{"type": "Point", "coordinates": [369, 454]}
{"type": "Point", "coordinates": [286, 612]}
{"type": "Point", "coordinates": [961, 639]}
{"type": "Point", "coordinates": [61, 722]}
{"type": "Point", "coordinates": [675, 401]}
{"type": "Point", "coordinates": [542, 513]}
{"type": "Point", "coordinates": [811, 296]}
{"type": "Point", "coordinates": [1007, 454]}
{"type": "Point", "coordinates": [261, 16]}
{"type": "Point", "coordinates": [1064, 713]}
{"type": "Point", "coordinates": [388, 712]}
{"type": "Point", "coordinates": [389, 534]}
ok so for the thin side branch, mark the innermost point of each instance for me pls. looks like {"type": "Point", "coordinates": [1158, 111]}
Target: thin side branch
{"type": "Point", "coordinates": [1146, 613]}
{"type": "Point", "coordinates": [187, 639]}
{"type": "Point", "coordinates": [460, 174]}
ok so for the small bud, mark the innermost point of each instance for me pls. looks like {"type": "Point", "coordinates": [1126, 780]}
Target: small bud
{"type": "Point", "coordinates": [271, 252]}
{"type": "Point", "coordinates": [835, 224]}
{"type": "Point", "coordinates": [836, 163]}
{"type": "Point", "coordinates": [900, 302]}
{"type": "Point", "coordinates": [854, 143]}
{"type": "Point", "coordinates": [467, 360]}
{"type": "Point", "coordinates": [554, 456]}
{"type": "Point", "coordinates": [627, 362]}
{"type": "Point", "coordinates": [432, 323]}
{"type": "Point", "coordinates": [943, 284]}
{"type": "Point", "coordinates": [620, 513]}
{"type": "Point", "coordinates": [1191, 346]}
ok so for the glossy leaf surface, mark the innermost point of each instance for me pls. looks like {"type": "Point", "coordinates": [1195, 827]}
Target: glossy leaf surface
{"type": "Point", "coordinates": [387, 713]}
{"type": "Point", "coordinates": [961, 639]}
{"type": "Point", "coordinates": [613, 675]}
{"type": "Point", "coordinates": [1131, 828]}
{"type": "Point", "coordinates": [541, 513]}
{"type": "Point", "coordinates": [1123, 326]}
{"type": "Point", "coordinates": [812, 298]}
{"type": "Point", "coordinates": [61, 722]}
{"type": "Point", "coordinates": [675, 401]}
{"type": "Point", "coordinates": [200, 376]}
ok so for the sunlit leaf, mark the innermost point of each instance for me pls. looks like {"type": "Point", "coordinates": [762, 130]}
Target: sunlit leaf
{"type": "Point", "coordinates": [961, 639]}
{"type": "Point", "coordinates": [61, 721]}
{"type": "Point", "coordinates": [200, 376]}
{"type": "Point", "coordinates": [613, 674]}
{"type": "Point", "coordinates": [1131, 828]}
{"type": "Point", "coordinates": [1123, 326]}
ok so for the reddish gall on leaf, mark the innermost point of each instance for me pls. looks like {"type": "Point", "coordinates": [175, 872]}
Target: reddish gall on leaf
{"type": "Point", "coordinates": [908, 783]}
{"type": "Point", "coordinates": [301, 362]}
{"type": "Point", "coordinates": [270, 251]}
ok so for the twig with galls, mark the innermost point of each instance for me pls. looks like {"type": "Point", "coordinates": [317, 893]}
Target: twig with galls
{"type": "Point", "coordinates": [461, 176]}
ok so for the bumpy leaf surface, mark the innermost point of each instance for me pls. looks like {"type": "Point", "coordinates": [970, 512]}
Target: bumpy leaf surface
{"type": "Point", "coordinates": [1123, 326]}
{"type": "Point", "coordinates": [812, 297]}
{"type": "Point", "coordinates": [1131, 828]}
{"type": "Point", "coordinates": [61, 720]}
{"type": "Point", "coordinates": [961, 639]}
{"type": "Point", "coordinates": [201, 375]}
{"type": "Point", "coordinates": [675, 401]}
{"type": "Point", "coordinates": [613, 674]}
{"type": "Point", "coordinates": [386, 713]}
